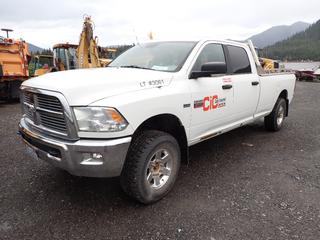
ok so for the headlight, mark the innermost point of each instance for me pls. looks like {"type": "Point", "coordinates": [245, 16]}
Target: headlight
{"type": "Point", "coordinates": [99, 119]}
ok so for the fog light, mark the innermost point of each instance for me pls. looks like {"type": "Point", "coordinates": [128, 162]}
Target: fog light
{"type": "Point", "coordinates": [92, 159]}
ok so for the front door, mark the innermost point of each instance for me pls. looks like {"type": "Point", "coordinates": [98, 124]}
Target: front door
{"type": "Point", "coordinates": [212, 96]}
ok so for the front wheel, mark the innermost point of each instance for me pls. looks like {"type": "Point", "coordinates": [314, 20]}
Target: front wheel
{"type": "Point", "coordinates": [274, 121]}
{"type": "Point", "coordinates": [151, 167]}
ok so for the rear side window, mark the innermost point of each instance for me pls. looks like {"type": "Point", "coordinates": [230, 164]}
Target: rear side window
{"type": "Point", "coordinates": [210, 53]}
{"type": "Point", "coordinates": [239, 60]}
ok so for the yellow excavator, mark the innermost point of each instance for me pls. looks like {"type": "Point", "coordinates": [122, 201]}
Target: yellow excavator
{"type": "Point", "coordinates": [87, 51]}
{"type": "Point", "coordinates": [87, 54]}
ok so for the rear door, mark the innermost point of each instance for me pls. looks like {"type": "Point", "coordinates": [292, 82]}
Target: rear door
{"type": "Point", "coordinates": [246, 85]}
{"type": "Point", "coordinates": [212, 101]}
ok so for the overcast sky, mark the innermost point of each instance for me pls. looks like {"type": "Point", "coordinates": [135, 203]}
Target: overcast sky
{"type": "Point", "coordinates": [45, 23]}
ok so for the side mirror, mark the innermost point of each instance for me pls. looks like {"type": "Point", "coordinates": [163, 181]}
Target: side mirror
{"type": "Point", "coordinates": [209, 69]}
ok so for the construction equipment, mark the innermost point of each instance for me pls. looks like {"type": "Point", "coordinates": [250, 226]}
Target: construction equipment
{"type": "Point", "coordinates": [269, 64]}
{"type": "Point", "coordinates": [85, 55]}
{"type": "Point", "coordinates": [65, 56]}
{"type": "Point", "coordinates": [106, 55]}
{"type": "Point", "coordinates": [41, 64]}
{"type": "Point", "coordinates": [87, 51]}
{"type": "Point", "coordinates": [14, 58]}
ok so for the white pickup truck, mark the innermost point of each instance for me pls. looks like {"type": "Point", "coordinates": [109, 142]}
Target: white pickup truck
{"type": "Point", "coordinates": [136, 118]}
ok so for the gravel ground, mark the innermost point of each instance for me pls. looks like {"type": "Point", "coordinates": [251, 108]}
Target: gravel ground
{"type": "Point", "coordinates": [246, 184]}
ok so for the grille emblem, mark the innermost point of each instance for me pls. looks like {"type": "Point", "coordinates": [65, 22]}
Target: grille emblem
{"type": "Point", "coordinates": [32, 109]}
{"type": "Point", "coordinates": [34, 114]}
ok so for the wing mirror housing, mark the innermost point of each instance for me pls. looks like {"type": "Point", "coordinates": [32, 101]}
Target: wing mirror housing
{"type": "Point", "coordinates": [208, 69]}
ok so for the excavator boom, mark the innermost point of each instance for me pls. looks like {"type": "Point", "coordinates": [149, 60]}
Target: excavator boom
{"type": "Point", "coordinates": [87, 54]}
{"type": "Point", "coordinates": [87, 51]}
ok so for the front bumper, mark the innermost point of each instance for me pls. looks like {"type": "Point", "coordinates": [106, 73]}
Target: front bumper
{"type": "Point", "coordinates": [72, 155]}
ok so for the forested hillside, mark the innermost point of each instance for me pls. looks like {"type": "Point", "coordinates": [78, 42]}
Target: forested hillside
{"type": "Point", "coordinates": [277, 34]}
{"type": "Point", "coordinates": [302, 46]}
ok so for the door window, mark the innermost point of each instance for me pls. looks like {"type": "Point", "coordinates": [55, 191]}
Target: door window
{"type": "Point", "coordinates": [239, 60]}
{"type": "Point", "coordinates": [210, 53]}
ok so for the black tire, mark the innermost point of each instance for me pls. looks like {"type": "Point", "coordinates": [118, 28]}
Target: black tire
{"type": "Point", "coordinates": [271, 122]}
{"type": "Point", "coordinates": [137, 166]}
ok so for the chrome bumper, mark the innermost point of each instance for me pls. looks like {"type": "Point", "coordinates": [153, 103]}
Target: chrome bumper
{"type": "Point", "coordinates": [73, 156]}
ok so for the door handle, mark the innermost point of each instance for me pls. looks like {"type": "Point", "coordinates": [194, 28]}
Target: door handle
{"type": "Point", "coordinates": [228, 86]}
{"type": "Point", "coordinates": [255, 83]}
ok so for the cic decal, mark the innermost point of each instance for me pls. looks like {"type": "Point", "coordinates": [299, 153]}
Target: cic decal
{"type": "Point", "coordinates": [210, 103]}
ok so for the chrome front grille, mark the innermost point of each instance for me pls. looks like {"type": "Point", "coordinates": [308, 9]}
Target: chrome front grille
{"type": "Point", "coordinates": [53, 121]}
{"type": "Point", "coordinates": [28, 98]}
{"type": "Point", "coordinates": [44, 111]}
{"type": "Point", "coordinates": [49, 102]}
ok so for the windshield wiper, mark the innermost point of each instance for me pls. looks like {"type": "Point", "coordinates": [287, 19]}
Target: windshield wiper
{"type": "Point", "coordinates": [135, 66]}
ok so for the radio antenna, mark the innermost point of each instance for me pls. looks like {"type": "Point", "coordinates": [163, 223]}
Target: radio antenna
{"type": "Point", "coordinates": [136, 36]}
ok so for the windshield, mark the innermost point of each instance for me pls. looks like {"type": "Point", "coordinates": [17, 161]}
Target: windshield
{"type": "Point", "coordinates": [66, 56]}
{"type": "Point", "coordinates": [45, 60]}
{"type": "Point", "coordinates": [160, 56]}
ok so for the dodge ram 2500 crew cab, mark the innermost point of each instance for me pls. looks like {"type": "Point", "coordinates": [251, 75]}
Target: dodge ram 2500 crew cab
{"type": "Point", "coordinates": [136, 118]}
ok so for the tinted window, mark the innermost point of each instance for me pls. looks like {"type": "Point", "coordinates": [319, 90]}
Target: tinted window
{"type": "Point", "coordinates": [210, 53]}
{"type": "Point", "coordinates": [239, 60]}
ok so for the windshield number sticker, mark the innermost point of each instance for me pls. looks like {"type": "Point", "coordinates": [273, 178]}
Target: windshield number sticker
{"type": "Point", "coordinates": [152, 83]}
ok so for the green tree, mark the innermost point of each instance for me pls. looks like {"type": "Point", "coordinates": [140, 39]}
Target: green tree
{"type": "Point", "coordinates": [301, 46]}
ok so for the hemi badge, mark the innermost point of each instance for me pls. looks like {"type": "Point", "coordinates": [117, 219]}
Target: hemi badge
{"type": "Point", "coordinates": [186, 105]}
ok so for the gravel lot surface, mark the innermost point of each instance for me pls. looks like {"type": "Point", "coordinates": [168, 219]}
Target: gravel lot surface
{"type": "Point", "coordinates": [246, 184]}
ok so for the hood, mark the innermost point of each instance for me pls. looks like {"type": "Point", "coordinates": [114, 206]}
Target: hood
{"type": "Point", "coordinates": [85, 86]}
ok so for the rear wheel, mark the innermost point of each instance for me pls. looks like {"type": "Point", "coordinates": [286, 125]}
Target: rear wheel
{"type": "Point", "coordinates": [274, 121]}
{"type": "Point", "coordinates": [151, 167]}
